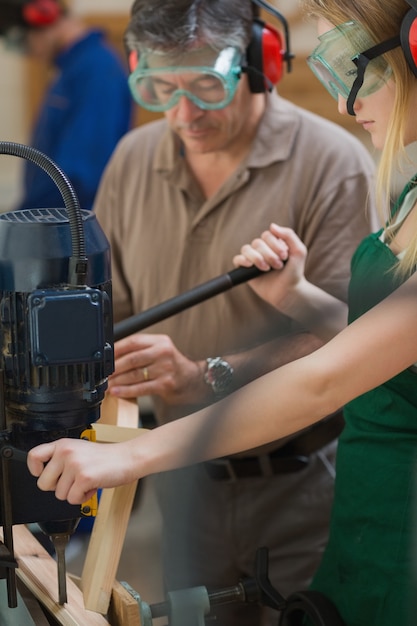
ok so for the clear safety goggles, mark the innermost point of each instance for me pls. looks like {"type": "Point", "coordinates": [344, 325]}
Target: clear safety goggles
{"type": "Point", "coordinates": [209, 79]}
{"type": "Point", "coordinates": [344, 70]}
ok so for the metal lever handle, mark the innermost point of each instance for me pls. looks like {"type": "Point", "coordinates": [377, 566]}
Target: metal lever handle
{"type": "Point", "coordinates": [184, 301]}
{"type": "Point", "coordinates": [9, 452]}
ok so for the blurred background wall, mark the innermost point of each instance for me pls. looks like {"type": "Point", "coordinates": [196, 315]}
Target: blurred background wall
{"type": "Point", "coordinates": [23, 81]}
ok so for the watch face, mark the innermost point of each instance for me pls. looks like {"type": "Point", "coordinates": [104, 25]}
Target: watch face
{"type": "Point", "coordinates": [219, 375]}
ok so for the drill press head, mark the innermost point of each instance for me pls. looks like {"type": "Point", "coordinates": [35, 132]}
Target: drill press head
{"type": "Point", "coordinates": [55, 343]}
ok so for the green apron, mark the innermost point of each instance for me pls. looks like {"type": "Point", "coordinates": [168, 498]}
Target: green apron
{"type": "Point", "coordinates": [367, 564]}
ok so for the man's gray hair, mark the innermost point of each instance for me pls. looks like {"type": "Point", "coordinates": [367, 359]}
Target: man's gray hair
{"type": "Point", "coordinates": [179, 25]}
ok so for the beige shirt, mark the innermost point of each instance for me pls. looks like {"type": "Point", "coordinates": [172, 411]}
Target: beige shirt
{"type": "Point", "coordinates": [302, 171]}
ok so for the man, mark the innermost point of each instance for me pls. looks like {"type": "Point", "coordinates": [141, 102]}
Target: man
{"type": "Point", "coordinates": [87, 106]}
{"type": "Point", "coordinates": [178, 199]}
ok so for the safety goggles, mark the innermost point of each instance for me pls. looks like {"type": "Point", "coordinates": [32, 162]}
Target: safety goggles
{"type": "Point", "coordinates": [208, 78]}
{"type": "Point", "coordinates": [346, 72]}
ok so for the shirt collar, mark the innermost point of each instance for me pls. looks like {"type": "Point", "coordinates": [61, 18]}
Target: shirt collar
{"type": "Point", "coordinates": [276, 133]}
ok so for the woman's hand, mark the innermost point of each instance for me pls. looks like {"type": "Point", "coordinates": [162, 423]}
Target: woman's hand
{"type": "Point", "coordinates": [76, 469]}
{"type": "Point", "coordinates": [278, 248]}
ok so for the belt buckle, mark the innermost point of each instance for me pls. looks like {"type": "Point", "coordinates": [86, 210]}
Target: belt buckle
{"type": "Point", "coordinates": [228, 465]}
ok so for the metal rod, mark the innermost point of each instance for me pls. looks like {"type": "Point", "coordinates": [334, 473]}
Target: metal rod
{"type": "Point", "coordinates": [184, 301]}
{"type": "Point", "coordinates": [60, 542]}
{"type": "Point", "coordinates": [216, 597]}
{"type": "Point", "coordinates": [7, 507]}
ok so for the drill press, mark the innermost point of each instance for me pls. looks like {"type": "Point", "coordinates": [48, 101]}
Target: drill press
{"type": "Point", "coordinates": [56, 352]}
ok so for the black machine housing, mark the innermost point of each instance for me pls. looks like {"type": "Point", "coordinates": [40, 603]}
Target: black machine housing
{"type": "Point", "coordinates": [55, 341]}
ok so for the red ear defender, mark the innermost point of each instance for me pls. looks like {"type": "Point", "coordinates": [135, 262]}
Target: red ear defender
{"type": "Point", "coordinates": [39, 13]}
{"type": "Point", "coordinates": [133, 60]}
{"type": "Point", "coordinates": [265, 57]}
{"type": "Point", "coordinates": [272, 55]}
{"type": "Point", "coordinates": [408, 35]}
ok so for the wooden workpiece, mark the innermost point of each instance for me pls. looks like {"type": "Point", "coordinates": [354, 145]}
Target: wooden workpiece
{"type": "Point", "coordinates": [124, 609]}
{"type": "Point", "coordinates": [38, 572]}
{"type": "Point", "coordinates": [109, 530]}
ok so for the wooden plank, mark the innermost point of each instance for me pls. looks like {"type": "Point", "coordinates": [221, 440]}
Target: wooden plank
{"type": "Point", "coordinates": [109, 530]}
{"type": "Point", "coordinates": [119, 412]}
{"type": "Point", "coordinates": [38, 572]}
{"type": "Point", "coordinates": [105, 547]}
{"type": "Point", "coordinates": [106, 433]}
{"type": "Point", "coordinates": [124, 609]}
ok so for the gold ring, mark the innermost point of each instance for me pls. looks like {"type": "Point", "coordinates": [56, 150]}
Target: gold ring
{"type": "Point", "coordinates": [145, 373]}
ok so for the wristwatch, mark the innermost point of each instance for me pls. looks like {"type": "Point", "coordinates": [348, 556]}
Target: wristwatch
{"type": "Point", "coordinates": [218, 375]}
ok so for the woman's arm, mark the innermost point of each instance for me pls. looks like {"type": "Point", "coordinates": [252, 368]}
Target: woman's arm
{"type": "Point", "coordinates": [287, 289]}
{"type": "Point", "coordinates": [379, 345]}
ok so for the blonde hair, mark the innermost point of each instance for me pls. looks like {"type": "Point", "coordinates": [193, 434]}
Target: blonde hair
{"type": "Point", "coordinates": [382, 20]}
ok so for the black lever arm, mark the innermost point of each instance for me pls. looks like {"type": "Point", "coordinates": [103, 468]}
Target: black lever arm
{"type": "Point", "coordinates": [9, 452]}
{"type": "Point", "coordinates": [184, 301]}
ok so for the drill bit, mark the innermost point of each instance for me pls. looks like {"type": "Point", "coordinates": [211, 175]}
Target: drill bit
{"type": "Point", "coordinates": [60, 542]}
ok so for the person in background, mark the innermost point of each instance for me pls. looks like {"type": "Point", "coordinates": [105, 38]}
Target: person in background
{"type": "Point", "coordinates": [178, 195]}
{"type": "Point", "coordinates": [87, 106]}
{"type": "Point", "coordinates": [366, 58]}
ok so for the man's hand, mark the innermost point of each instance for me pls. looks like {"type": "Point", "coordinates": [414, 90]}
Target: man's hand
{"type": "Point", "coordinates": [147, 364]}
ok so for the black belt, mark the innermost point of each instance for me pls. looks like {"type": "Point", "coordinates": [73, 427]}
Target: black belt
{"type": "Point", "coordinates": [293, 456]}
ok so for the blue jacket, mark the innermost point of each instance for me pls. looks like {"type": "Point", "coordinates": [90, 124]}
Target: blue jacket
{"type": "Point", "coordinates": [85, 111]}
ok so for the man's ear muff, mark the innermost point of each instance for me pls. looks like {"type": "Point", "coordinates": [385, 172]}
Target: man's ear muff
{"type": "Point", "coordinates": [39, 13]}
{"type": "Point", "coordinates": [265, 57]}
{"type": "Point", "coordinates": [408, 35]}
{"type": "Point", "coordinates": [132, 60]}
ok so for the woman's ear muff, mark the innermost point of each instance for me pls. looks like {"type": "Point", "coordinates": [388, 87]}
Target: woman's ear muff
{"type": "Point", "coordinates": [265, 57]}
{"type": "Point", "coordinates": [408, 35]}
{"type": "Point", "coordinates": [39, 13]}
